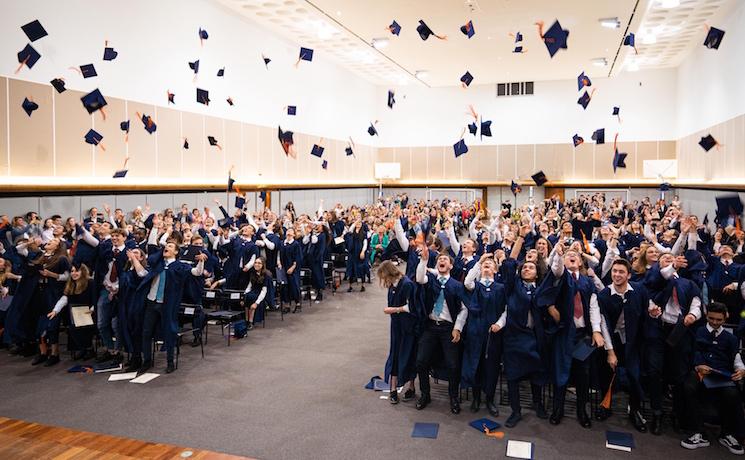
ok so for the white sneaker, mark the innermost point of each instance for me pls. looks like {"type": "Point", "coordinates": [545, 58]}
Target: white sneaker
{"type": "Point", "coordinates": [732, 445]}
{"type": "Point", "coordinates": [695, 441]}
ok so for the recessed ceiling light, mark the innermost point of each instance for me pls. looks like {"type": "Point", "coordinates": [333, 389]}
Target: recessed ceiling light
{"type": "Point", "coordinates": [669, 3]}
{"type": "Point", "coordinates": [610, 23]}
{"type": "Point", "coordinates": [421, 74]}
{"type": "Point", "coordinates": [380, 43]}
{"type": "Point", "coordinates": [600, 62]}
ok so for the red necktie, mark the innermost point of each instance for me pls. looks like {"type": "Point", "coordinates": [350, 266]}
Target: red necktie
{"type": "Point", "coordinates": [675, 297]}
{"type": "Point", "coordinates": [74, 248]}
{"type": "Point", "coordinates": [578, 308]}
{"type": "Point", "coordinates": [114, 275]}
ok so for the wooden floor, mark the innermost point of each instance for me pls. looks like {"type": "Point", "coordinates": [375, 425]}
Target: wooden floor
{"type": "Point", "coordinates": [24, 440]}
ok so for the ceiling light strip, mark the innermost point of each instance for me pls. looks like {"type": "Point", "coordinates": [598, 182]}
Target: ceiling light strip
{"type": "Point", "coordinates": [333, 19]}
{"type": "Point", "coordinates": [625, 32]}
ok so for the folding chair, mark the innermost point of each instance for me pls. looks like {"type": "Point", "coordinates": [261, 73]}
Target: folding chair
{"type": "Point", "coordinates": [328, 275]}
{"type": "Point", "coordinates": [187, 311]}
{"type": "Point", "coordinates": [305, 285]}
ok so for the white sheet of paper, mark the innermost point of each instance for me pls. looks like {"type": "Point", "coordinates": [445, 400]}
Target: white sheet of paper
{"type": "Point", "coordinates": [81, 316]}
{"type": "Point", "coordinates": [144, 378]}
{"type": "Point", "coordinates": [519, 449]}
{"type": "Point", "coordinates": [339, 240]}
{"type": "Point", "coordinates": [235, 295]}
{"type": "Point", "coordinates": [123, 376]}
{"type": "Point", "coordinates": [189, 310]}
{"type": "Point", "coordinates": [210, 294]}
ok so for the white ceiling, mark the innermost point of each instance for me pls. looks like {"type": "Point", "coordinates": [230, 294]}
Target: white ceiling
{"type": "Point", "coordinates": [343, 30]}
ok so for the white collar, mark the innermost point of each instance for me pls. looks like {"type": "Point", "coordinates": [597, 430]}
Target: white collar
{"type": "Point", "coordinates": [613, 291]}
{"type": "Point", "coordinates": [711, 329]}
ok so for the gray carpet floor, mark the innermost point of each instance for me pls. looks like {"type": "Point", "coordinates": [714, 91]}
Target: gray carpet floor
{"type": "Point", "coordinates": [295, 390]}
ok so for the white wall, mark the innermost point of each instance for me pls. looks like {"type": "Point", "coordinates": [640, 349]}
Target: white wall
{"type": "Point", "coordinates": [156, 40]}
{"type": "Point", "coordinates": [710, 82]}
{"type": "Point", "coordinates": [436, 116]}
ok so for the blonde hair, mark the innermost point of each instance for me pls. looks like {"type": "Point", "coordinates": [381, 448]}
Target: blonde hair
{"type": "Point", "coordinates": [388, 274]}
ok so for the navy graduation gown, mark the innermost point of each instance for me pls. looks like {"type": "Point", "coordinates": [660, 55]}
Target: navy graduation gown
{"type": "Point", "coordinates": [404, 328]}
{"type": "Point", "coordinates": [316, 252]}
{"type": "Point", "coordinates": [131, 308]}
{"type": "Point", "coordinates": [239, 251]}
{"type": "Point", "coordinates": [486, 306]}
{"type": "Point", "coordinates": [357, 267]}
{"type": "Point", "coordinates": [289, 254]}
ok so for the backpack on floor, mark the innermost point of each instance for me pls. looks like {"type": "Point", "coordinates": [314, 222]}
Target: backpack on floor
{"type": "Point", "coordinates": [240, 329]}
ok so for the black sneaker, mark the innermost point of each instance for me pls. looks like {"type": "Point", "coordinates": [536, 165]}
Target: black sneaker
{"type": "Point", "coordinates": [393, 398]}
{"type": "Point", "coordinates": [732, 445]}
{"type": "Point", "coordinates": [105, 357]}
{"type": "Point", "coordinates": [38, 359]}
{"type": "Point", "coordinates": [409, 395]}
{"type": "Point", "coordinates": [250, 326]}
{"type": "Point", "coordinates": [54, 359]}
{"type": "Point", "coordinates": [695, 441]}
{"type": "Point", "coordinates": [513, 420]}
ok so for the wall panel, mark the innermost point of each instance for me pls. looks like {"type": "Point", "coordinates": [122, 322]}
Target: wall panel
{"type": "Point", "coordinates": [113, 137]}
{"type": "Point", "coordinates": [192, 159]}
{"type": "Point", "coordinates": [31, 138]}
{"type": "Point", "coordinates": [143, 160]}
{"type": "Point", "coordinates": [4, 127]}
{"type": "Point", "coordinates": [168, 138]}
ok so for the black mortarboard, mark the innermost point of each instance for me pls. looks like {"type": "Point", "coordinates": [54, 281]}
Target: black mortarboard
{"type": "Point", "coordinates": [460, 148]}
{"type": "Point", "coordinates": [518, 49]}
{"type": "Point", "coordinates": [599, 136]}
{"type": "Point", "coordinates": [577, 140]}
{"type": "Point", "coordinates": [539, 178]}
{"type": "Point", "coordinates": [485, 128]}
{"type": "Point", "coordinates": [150, 125]}
{"type": "Point", "coordinates": [171, 97]}
{"type": "Point", "coordinates": [240, 201]}
{"type": "Point", "coordinates": [325, 164]}
{"type": "Point", "coordinates": [221, 72]}
{"type": "Point", "coordinates": [473, 128]}
{"type": "Point", "coordinates": [231, 181]}
{"type": "Point", "coordinates": [88, 71]}
{"type": "Point", "coordinates": [584, 100]}
{"type": "Point", "coordinates": [555, 38]}
{"type": "Point", "coordinates": [203, 35]}
{"type": "Point", "coordinates": [34, 30]}
{"type": "Point", "coordinates": [349, 151]}
{"type": "Point", "coordinates": [630, 40]}
{"type": "Point", "coordinates": [109, 54]}
{"type": "Point", "coordinates": [124, 126]}
{"type": "Point", "coordinates": [229, 101]}
{"type": "Point", "coordinates": [317, 151]}
{"type": "Point", "coordinates": [582, 81]}
{"type": "Point", "coordinates": [395, 28]}
{"type": "Point", "coordinates": [728, 205]}
{"type": "Point", "coordinates": [714, 38]}
{"type": "Point", "coordinates": [467, 78]}
{"type": "Point", "coordinates": [424, 31]}
{"type": "Point", "coordinates": [391, 99]}
{"type": "Point", "coordinates": [467, 29]}
{"type": "Point", "coordinates": [120, 174]}
{"type": "Point", "coordinates": [616, 110]}
{"type": "Point", "coordinates": [371, 130]}
{"type": "Point", "coordinates": [212, 141]}
{"type": "Point", "coordinates": [706, 219]}
{"type": "Point", "coordinates": [266, 61]}
{"type": "Point", "coordinates": [262, 195]}
{"type": "Point", "coordinates": [664, 187]}
{"type": "Point", "coordinates": [29, 106]}
{"type": "Point", "coordinates": [203, 96]}
{"type": "Point", "coordinates": [306, 54]}
{"type": "Point", "coordinates": [93, 137]}
{"type": "Point", "coordinates": [93, 101]}
{"type": "Point", "coordinates": [619, 160]}
{"type": "Point", "coordinates": [28, 56]}
{"type": "Point", "coordinates": [518, 37]}
{"type": "Point", "coordinates": [291, 110]}
{"type": "Point", "coordinates": [194, 66]}
{"type": "Point", "coordinates": [708, 142]}
{"type": "Point", "coordinates": [286, 140]}
{"type": "Point", "coordinates": [515, 187]}
{"type": "Point", "coordinates": [186, 144]}
{"type": "Point", "coordinates": [59, 85]}
{"type": "Point", "coordinates": [225, 223]}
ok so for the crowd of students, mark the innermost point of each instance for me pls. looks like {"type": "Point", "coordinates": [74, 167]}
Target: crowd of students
{"type": "Point", "coordinates": [588, 293]}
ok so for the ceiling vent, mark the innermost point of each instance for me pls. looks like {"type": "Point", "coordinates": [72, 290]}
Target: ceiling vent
{"type": "Point", "coordinates": [523, 88]}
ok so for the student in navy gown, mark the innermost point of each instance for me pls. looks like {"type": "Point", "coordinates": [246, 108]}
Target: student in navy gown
{"type": "Point", "coordinates": [356, 243]}
{"type": "Point", "coordinates": [317, 242]}
{"type": "Point", "coordinates": [78, 292]}
{"type": "Point", "coordinates": [132, 307]}
{"type": "Point", "coordinates": [290, 262]}
{"type": "Point", "coordinates": [403, 307]}
{"type": "Point", "coordinates": [257, 291]}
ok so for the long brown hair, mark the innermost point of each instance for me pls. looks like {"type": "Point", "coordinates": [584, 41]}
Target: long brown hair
{"type": "Point", "coordinates": [388, 274]}
{"type": "Point", "coordinates": [52, 261]}
{"type": "Point", "coordinates": [639, 265]}
{"type": "Point", "coordinates": [73, 287]}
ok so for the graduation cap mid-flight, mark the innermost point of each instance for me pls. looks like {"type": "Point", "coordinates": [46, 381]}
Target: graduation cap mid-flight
{"type": "Point", "coordinates": [349, 150]}
{"type": "Point", "coordinates": [424, 31]}
{"type": "Point", "coordinates": [714, 38]}
{"type": "Point", "coordinates": [516, 188]}
{"type": "Point", "coordinates": [325, 164]}
{"type": "Point", "coordinates": [371, 130]}
{"type": "Point", "coordinates": [94, 101]}
{"type": "Point", "coordinates": [664, 187]}
{"type": "Point", "coordinates": [391, 99]}
{"type": "Point", "coordinates": [708, 142]}
{"type": "Point", "coordinates": [473, 128]}
{"type": "Point", "coordinates": [468, 30]}
{"type": "Point", "coordinates": [555, 37]}
{"type": "Point", "coordinates": [287, 141]}
{"type": "Point", "coordinates": [240, 201]}
{"type": "Point", "coordinates": [28, 56]}
{"type": "Point", "coordinates": [466, 79]}
{"type": "Point", "coordinates": [460, 148]}
{"type": "Point", "coordinates": [630, 40]}
{"type": "Point", "coordinates": [109, 54]}
{"type": "Point", "coordinates": [185, 145]}
{"type": "Point", "coordinates": [619, 159]}
{"type": "Point", "coordinates": [229, 101]}
{"type": "Point", "coordinates": [203, 96]}
{"type": "Point", "coordinates": [485, 128]}
{"type": "Point", "coordinates": [148, 123]}
{"type": "Point", "coordinates": [518, 43]}
{"type": "Point", "coordinates": [94, 138]}
{"type": "Point", "coordinates": [88, 71]}
{"type": "Point", "coordinates": [728, 206]}
{"type": "Point", "coordinates": [59, 85]}
{"type": "Point", "coordinates": [539, 178]}
{"type": "Point", "coordinates": [599, 136]}
{"type": "Point", "coordinates": [582, 81]}
{"type": "Point", "coordinates": [577, 140]}
{"type": "Point", "coordinates": [306, 54]}
{"type": "Point", "coordinates": [124, 126]}
{"type": "Point", "coordinates": [120, 174]}
{"type": "Point", "coordinates": [584, 100]}
{"type": "Point", "coordinates": [221, 72]}
{"type": "Point", "coordinates": [266, 61]}
{"type": "Point", "coordinates": [291, 110]}
{"type": "Point", "coordinates": [394, 28]}
{"type": "Point", "coordinates": [171, 97]}
{"type": "Point", "coordinates": [34, 30]}
{"type": "Point", "coordinates": [194, 66]}
{"type": "Point", "coordinates": [29, 106]}
{"type": "Point", "coordinates": [213, 142]}
{"type": "Point", "coordinates": [317, 151]}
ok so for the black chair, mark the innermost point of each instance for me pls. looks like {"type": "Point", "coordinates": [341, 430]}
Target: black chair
{"type": "Point", "coordinates": [223, 318]}
{"type": "Point", "coordinates": [328, 275]}
{"type": "Point", "coordinates": [339, 270]}
{"type": "Point", "coordinates": [187, 312]}
{"type": "Point", "coordinates": [305, 285]}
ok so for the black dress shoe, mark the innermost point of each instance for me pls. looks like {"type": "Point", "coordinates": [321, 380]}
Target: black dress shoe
{"type": "Point", "coordinates": [540, 411]}
{"type": "Point", "coordinates": [350, 289]}
{"type": "Point", "coordinates": [134, 365]}
{"type": "Point", "coordinates": [492, 408]}
{"type": "Point", "coordinates": [475, 403]}
{"type": "Point", "coordinates": [454, 406]}
{"type": "Point", "coordinates": [297, 308]}
{"type": "Point", "coordinates": [51, 361]}
{"type": "Point", "coordinates": [409, 395]}
{"type": "Point", "coordinates": [638, 421]}
{"type": "Point", "coordinates": [117, 358]}
{"type": "Point", "coordinates": [556, 417]}
{"type": "Point", "coordinates": [285, 310]}
{"type": "Point", "coordinates": [146, 366]}
{"type": "Point", "coordinates": [656, 428]}
{"type": "Point", "coordinates": [38, 359]}
{"type": "Point", "coordinates": [584, 419]}
{"type": "Point", "coordinates": [105, 357]}
{"type": "Point", "coordinates": [602, 414]}
{"type": "Point", "coordinates": [196, 342]}
{"type": "Point", "coordinates": [513, 420]}
{"type": "Point", "coordinates": [170, 368]}
{"type": "Point", "coordinates": [362, 289]}
{"type": "Point", "coordinates": [423, 402]}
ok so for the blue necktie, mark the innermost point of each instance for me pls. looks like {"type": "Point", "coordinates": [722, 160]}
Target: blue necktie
{"type": "Point", "coordinates": [161, 287]}
{"type": "Point", "coordinates": [487, 283]}
{"type": "Point", "coordinates": [440, 302]}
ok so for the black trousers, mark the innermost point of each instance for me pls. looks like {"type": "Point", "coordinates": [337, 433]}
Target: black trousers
{"type": "Point", "coordinates": [489, 366]}
{"type": "Point", "coordinates": [580, 374]}
{"type": "Point", "coordinates": [513, 391]}
{"type": "Point", "coordinates": [153, 314]}
{"type": "Point", "coordinates": [666, 364]}
{"type": "Point", "coordinates": [726, 400]}
{"type": "Point", "coordinates": [438, 336]}
{"type": "Point", "coordinates": [606, 374]}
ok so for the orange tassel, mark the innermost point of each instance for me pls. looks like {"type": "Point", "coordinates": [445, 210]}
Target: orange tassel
{"type": "Point", "coordinates": [605, 404]}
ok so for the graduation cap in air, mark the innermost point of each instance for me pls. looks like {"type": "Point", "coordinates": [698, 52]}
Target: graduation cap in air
{"type": "Point", "coordinates": [286, 140]}
{"type": "Point", "coordinates": [291, 110]}
{"type": "Point", "coordinates": [460, 148]}
{"type": "Point", "coordinates": [713, 38]}
{"type": "Point", "coordinates": [582, 81]}
{"type": "Point", "coordinates": [619, 160]}
{"type": "Point", "coordinates": [391, 99]}
{"type": "Point", "coordinates": [59, 85]}
{"type": "Point", "coordinates": [186, 144]}
{"type": "Point", "coordinates": [27, 56]}
{"type": "Point", "coordinates": [120, 174]}
{"type": "Point", "coordinates": [584, 100]}
{"type": "Point", "coordinates": [93, 137]}
{"type": "Point", "coordinates": [94, 101]}
{"type": "Point", "coordinates": [664, 187]}
{"type": "Point", "coordinates": [466, 79]}
{"type": "Point", "coordinates": [516, 188]}
{"type": "Point", "coordinates": [577, 140]}
{"type": "Point", "coordinates": [194, 66]}
{"type": "Point", "coordinates": [171, 97]}
{"type": "Point", "coordinates": [555, 37]}
{"type": "Point", "coordinates": [349, 151]}
{"type": "Point", "coordinates": [539, 178]}
{"type": "Point", "coordinates": [221, 72]}
{"type": "Point", "coordinates": [124, 126]}
{"type": "Point", "coordinates": [728, 205]}
{"type": "Point", "coordinates": [213, 142]}
{"type": "Point", "coordinates": [203, 35]}
{"type": "Point", "coordinates": [394, 28]}
{"type": "Point", "coordinates": [231, 182]}
{"type": "Point", "coordinates": [630, 40]}
{"type": "Point", "coordinates": [617, 113]}
{"type": "Point", "coordinates": [468, 30]}
{"type": "Point", "coordinates": [88, 71]}
{"type": "Point", "coordinates": [262, 195]}
{"type": "Point", "coordinates": [240, 201]}
{"type": "Point", "coordinates": [34, 30]}
{"type": "Point", "coordinates": [708, 142]}
{"type": "Point", "coordinates": [424, 31]}
{"type": "Point", "coordinates": [317, 151]}
{"type": "Point", "coordinates": [148, 122]}
{"type": "Point", "coordinates": [109, 54]}
{"type": "Point", "coordinates": [518, 43]}
{"type": "Point", "coordinates": [225, 223]}
{"type": "Point", "coordinates": [203, 96]}
{"type": "Point", "coordinates": [473, 128]}
{"type": "Point", "coordinates": [371, 130]}
{"type": "Point", "coordinates": [229, 101]}
{"type": "Point", "coordinates": [29, 106]}
{"type": "Point", "coordinates": [306, 54]}
{"type": "Point", "coordinates": [485, 128]}
{"type": "Point", "coordinates": [266, 61]}
{"type": "Point", "coordinates": [325, 164]}
{"type": "Point", "coordinates": [599, 136]}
